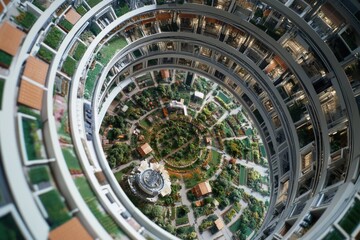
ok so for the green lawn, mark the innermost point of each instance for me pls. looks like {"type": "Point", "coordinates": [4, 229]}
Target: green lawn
{"type": "Point", "coordinates": [71, 159]}
{"type": "Point", "coordinates": [235, 226]}
{"type": "Point", "coordinates": [243, 175]}
{"type": "Point", "coordinates": [9, 228]}
{"type": "Point", "coordinates": [79, 51]}
{"type": "Point", "coordinates": [54, 38]}
{"type": "Point", "coordinates": [91, 79]}
{"type": "Point", "coordinates": [92, 3]}
{"type": "Point", "coordinates": [31, 139]}
{"type": "Point", "coordinates": [39, 174]}
{"type": "Point", "coordinates": [89, 196]}
{"type": "Point", "coordinates": [113, 46]}
{"type": "Point", "coordinates": [351, 219]}
{"type": "Point", "coordinates": [144, 123]}
{"type": "Point", "coordinates": [249, 132]}
{"type": "Point", "coordinates": [5, 59]}
{"type": "Point", "coordinates": [65, 25]}
{"type": "Point", "coordinates": [26, 19]}
{"type": "Point", "coordinates": [45, 54]}
{"type": "Point", "coordinates": [81, 10]}
{"type": "Point", "coordinates": [69, 66]}
{"type": "Point", "coordinates": [55, 208]}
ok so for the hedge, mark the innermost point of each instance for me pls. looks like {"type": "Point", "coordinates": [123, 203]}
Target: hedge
{"type": "Point", "coordinates": [38, 175]}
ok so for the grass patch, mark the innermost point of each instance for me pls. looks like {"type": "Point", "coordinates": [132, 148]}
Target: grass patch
{"type": "Point", "coordinates": [31, 139]}
{"type": "Point", "coordinates": [79, 51]}
{"type": "Point", "coordinates": [71, 160]}
{"type": "Point", "coordinates": [26, 19]}
{"type": "Point", "coordinates": [55, 208]}
{"type": "Point", "coordinates": [69, 66]}
{"type": "Point", "coordinates": [65, 25]}
{"type": "Point", "coordinates": [41, 4]}
{"type": "Point", "coordinates": [124, 8]}
{"type": "Point", "coordinates": [81, 10]}
{"type": "Point", "coordinates": [113, 46]}
{"type": "Point", "coordinates": [54, 38]}
{"type": "Point", "coordinates": [91, 79]}
{"type": "Point", "coordinates": [9, 228]}
{"type": "Point", "coordinates": [5, 59]}
{"type": "Point", "coordinates": [93, 3]}
{"type": "Point", "coordinates": [39, 174]}
{"type": "Point", "coordinates": [181, 221]}
{"type": "Point", "coordinates": [242, 175]}
{"type": "Point", "coordinates": [45, 54]}
{"type": "Point", "coordinates": [89, 196]}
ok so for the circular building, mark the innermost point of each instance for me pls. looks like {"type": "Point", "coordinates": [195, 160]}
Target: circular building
{"type": "Point", "coordinates": [152, 179]}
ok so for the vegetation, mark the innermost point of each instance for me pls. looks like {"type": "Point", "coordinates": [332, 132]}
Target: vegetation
{"type": "Point", "coordinates": [45, 54]}
{"type": "Point", "coordinates": [81, 10]}
{"type": "Point", "coordinates": [65, 25]}
{"type": "Point", "coordinates": [113, 46]}
{"type": "Point", "coordinates": [71, 160]}
{"type": "Point", "coordinates": [5, 59]}
{"type": "Point", "coordinates": [41, 4]}
{"type": "Point", "coordinates": [79, 51]}
{"type": "Point", "coordinates": [118, 154]}
{"type": "Point", "coordinates": [31, 139]}
{"type": "Point", "coordinates": [93, 3]}
{"type": "Point", "coordinates": [39, 174]}
{"type": "Point", "coordinates": [55, 208]}
{"type": "Point", "coordinates": [69, 66]}
{"type": "Point", "coordinates": [54, 38]}
{"type": "Point", "coordinates": [9, 229]}
{"type": "Point", "coordinates": [92, 76]}
{"type": "Point", "coordinates": [122, 9]}
{"type": "Point", "coordinates": [26, 19]}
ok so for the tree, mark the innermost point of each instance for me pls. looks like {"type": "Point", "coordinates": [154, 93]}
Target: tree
{"type": "Point", "coordinates": [118, 154]}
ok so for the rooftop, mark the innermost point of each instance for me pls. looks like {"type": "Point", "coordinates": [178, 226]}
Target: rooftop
{"type": "Point", "coordinates": [72, 229]}
{"type": "Point", "coordinates": [36, 69]}
{"type": "Point", "coordinates": [10, 38]}
{"type": "Point", "coordinates": [30, 95]}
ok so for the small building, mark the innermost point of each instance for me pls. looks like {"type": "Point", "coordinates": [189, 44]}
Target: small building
{"type": "Point", "coordinates": [178, 105]}
{"type": "Point", "coordinates": [165, 74]}
{"type": "Point", "coordinates": [201, 189]}
{"type": "Point", "coordinates": [145, 149]}
{"type": "Point", "coordinates": [219, 224]}
{"type": "Point", "coordinates": [124, 108]}
{"type": "Point", "coordinates": [199, 203]}
{"type": "Point", "coordinates": [208, 140]}
{"type": "Point", "coordinates": [199, 95]}
{"type": "Point", "coordinates": [72, 229]}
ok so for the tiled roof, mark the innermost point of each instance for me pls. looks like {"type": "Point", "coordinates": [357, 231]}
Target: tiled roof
{"type": "Point", "coordinates": [10, 38]}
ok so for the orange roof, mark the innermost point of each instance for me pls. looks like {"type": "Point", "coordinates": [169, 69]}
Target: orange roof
{"type": "Point", "coordinates": [72, 229]}
{"type": "Point", "coordinates": [72, 16]}
{"type": "Point", "coordinates": [202, 189]}
{"type": "Point", "coordinates": [219, 224]}
{"type": "Point", "coordinates": [187, 15]}
{"type": "Point", "coordinates": [1, 8]}
{"type": "Point", "coordinates": [165, 74]}
{"type": "Point", "coordinates": [36, 69]}
{"type": "Point", "coordinates": [163, 16]}
{"type": "Point", "coordinates": [30, 95]}
{"type": "Point", "coordinates": [10, 38]}
{"type": "Point", "coordinates": [145, 149]}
